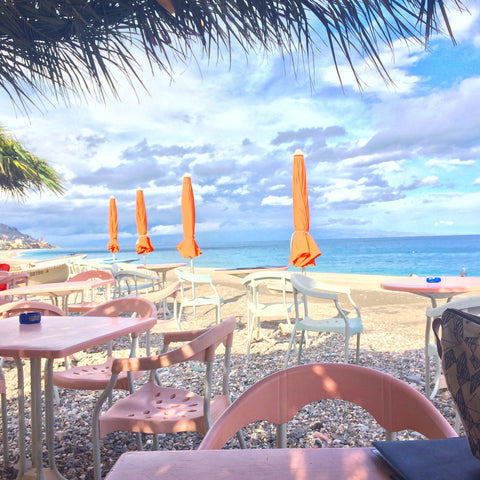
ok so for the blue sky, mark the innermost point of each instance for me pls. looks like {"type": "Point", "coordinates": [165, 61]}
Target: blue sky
{"type": "Point", "coordinates": [390, 160]}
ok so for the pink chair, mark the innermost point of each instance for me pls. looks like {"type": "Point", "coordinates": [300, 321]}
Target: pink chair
{"type": "Point", "coordinates": [12, 309]}
{"type": "Point", "coordinates": [83, 305]}
{"type": "Point", "coordinates": [4, 267]}
{"type": "Point", "coordinates": [157, 409]}
{"type": "Point", "coordinates": [277, 398]}
{"type": "Point", "coordinates": [96, 377]}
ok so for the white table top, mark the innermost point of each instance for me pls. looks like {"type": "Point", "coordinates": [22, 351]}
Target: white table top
{"type": "Point", "coordinates": [161, 267]}
{"type": "Point", "coordinates": [60, 288]}
{"type": "Point", "coordinates": [58, 337]}
{"type": "Point", "coordinates": [260, 464]}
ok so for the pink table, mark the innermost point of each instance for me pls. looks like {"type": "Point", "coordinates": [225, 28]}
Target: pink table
{"type": "Point", "coordinates": [447, 288]}
{"type": "Point", "coordinates": [54, 337]}
{"type": "Point", "coordinates": [260, 464]}
{"type": "Point", "coordinates": [57, 291]}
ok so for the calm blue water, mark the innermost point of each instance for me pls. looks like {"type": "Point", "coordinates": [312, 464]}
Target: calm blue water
{"type": "Point", "coordinates": [431, 256]}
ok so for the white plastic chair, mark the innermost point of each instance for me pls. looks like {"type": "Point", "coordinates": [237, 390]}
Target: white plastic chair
{"type": "Point", "coordinates": [134, 282]}
{"type": "Point", "coordinates": [468, 304]}
{"type": "Point", "coordinates": [260, 287]}
{"type": "Point", "coordinates": [344, 322]}
{"type": "Point", "coordinates": [189, 283]}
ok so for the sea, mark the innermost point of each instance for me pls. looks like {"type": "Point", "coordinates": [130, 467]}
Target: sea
{"type": "Point", "coordinates": [403, 256]}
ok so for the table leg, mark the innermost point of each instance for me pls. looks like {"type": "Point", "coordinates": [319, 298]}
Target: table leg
{"type": "Point", "coordinates": [37, 472]}
{"type": "Point", "coordinates": [36, 414]}
{"type": "Point", "coordinates": [50, 418]}
{"type": "Point", "coordinates": [21, 417]}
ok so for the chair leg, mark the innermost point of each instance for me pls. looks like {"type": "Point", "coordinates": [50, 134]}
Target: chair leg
{"type": "Point", "coordinates": [357, 355]}
{"type": "Point", "coordinates": [290, 345]}
{"type": "Point", "coordinates": [250, 326]}
{"type": "Point", "coordinates": [300, 345]}
{"type": "Point", "coordinates": [4, 429]}
{"type": "Point", "coordinates": [282, 435]}
{"type": "Point", "coordinates": [347, 339]}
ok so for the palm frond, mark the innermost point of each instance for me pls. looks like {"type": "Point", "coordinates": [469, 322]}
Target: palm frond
{"type": "Point", "coordinates": [65, 44]}
{"type": "Point", "coordinates": [21, 172]}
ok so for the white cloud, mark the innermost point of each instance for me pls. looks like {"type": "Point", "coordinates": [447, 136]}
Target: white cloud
{"type": "Point", "coordinates": [272, 200]}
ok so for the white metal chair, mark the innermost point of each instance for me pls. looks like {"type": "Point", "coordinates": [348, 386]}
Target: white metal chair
{"type": "Point", "coordinates": [261, 289]}
{"type": "Point", "coordinates": [343, 322]}
{"type": "Point", "coordinates": [134, 282]}
{"type": "Point", "coordinates": [189, 284]}
{"type": "Point", "coordinates": [467, 304]}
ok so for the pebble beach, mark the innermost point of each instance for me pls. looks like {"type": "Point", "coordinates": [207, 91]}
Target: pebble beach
{"type": "Point", "coordinates": [392, 341]}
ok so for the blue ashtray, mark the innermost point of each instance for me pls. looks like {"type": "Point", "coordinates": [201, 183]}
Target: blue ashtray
{"type": "Point", "coordinates": [30, 318]}
{"type": "Point", "coordinates": [433, 279]}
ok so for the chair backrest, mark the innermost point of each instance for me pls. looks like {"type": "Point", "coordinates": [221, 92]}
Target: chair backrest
{"type": "Point", "coordinates": [395, 405]}
{"type": "Point", "coordinates": [133, 306]}
{"type": "Point", "coordinates": [185, 276]}
{"type": "Point", "coordinates": [4, 267]}
{"type": "Point", "coordinates": [91, 275]}
{"type": "Point", "coordinates": [16, 308]}
{"type": "Point", "coordinates": [191, 279]}
{"type": "Point", "coordinates": [467, 304]}
{"type": "Point", "coordinates": [268, 282]}
{"type": "Point", "coordinates": [201, 346]}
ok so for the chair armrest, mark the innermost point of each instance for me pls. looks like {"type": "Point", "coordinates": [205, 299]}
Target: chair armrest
{"type": "Point", "coordinates": [179, 355]}
{"type": "Point", "coordinates": [186, 336]}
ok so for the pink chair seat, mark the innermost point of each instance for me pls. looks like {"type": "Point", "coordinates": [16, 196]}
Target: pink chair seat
{"type": "Point", "coordinates": [156, 409]}
{"type": "Point", "coordinates": [92, 377]}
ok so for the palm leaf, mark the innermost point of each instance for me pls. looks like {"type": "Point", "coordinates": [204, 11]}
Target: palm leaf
{"type": "Point", "coordinates": [66, 44]}
{"type": "Point", "coordinates": [22, 172]}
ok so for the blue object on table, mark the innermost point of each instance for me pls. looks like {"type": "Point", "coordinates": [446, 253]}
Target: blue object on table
{"type": "Point", "coordinates": [30, 317]}
{"type": "Point", "coordinates": [433, 279]}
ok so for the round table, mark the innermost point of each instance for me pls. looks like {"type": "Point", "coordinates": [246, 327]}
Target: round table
{"type": "Point", "coordinates": [446, 288]}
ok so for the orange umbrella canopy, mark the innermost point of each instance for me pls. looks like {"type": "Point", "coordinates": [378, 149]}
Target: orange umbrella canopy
{"type": "Point", "coordinates": [113, 226]}
{"type": "Point", "coordinates": [303, 249]}
{"type": "Point", "coordinates": [143, 245]}
{"type": "Point", "coordinates": [188, 247]}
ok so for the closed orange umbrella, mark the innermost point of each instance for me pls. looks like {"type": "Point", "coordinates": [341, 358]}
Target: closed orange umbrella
{"type": "Point", "coordinates": [303, 249]}
{"type": "Point", "coordinates": [143, 245]}
{"type": "Point", "coordinates": [188, 247]}
{"type": "Point", "coordinates": [113, 227]}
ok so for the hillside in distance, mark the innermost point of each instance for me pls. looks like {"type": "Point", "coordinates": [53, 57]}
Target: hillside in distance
{"type": "Point", "coordinates": [11, 238]}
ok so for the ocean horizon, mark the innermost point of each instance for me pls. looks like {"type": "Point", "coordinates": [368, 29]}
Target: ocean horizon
{"type": "Point", "coordinates": [424, 255]}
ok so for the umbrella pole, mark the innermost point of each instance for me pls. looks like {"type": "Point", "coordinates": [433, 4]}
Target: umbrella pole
{"type": "Point", "coordinates": [304, 270]}
{"type": "Point", "coordinates": [193, 286]}
{"type": "Point", "coordinates": [113, 256]}
{"type": "Point", "coordinates": [144, 260]}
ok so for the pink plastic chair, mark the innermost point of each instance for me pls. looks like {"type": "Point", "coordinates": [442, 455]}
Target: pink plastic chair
{"type": "Point", "coordinates": [12, 309]}
{"type": "Point", "coordinates": [277, 398]}
{"type": "Point", "coordinates": [96, 377]}
{"type": "Point", "coordinates": [4, 267]}
{"type": "Point", "coordinates": [157, 409]}
{"type": "Point", "coordinates": [83, 305]}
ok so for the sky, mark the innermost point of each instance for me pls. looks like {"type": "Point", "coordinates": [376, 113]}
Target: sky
{"type": "Point", "coordinates": [389, 160]}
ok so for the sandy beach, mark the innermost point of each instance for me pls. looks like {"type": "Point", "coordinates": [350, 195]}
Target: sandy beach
{"type": "Point", "coordinates": [392, 341]}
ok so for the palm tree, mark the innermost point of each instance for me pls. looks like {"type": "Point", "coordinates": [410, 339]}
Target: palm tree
{"type": "Point", "coordinates": [22, 172]}
{"type": "Point", "coordinates": [65, 44]}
